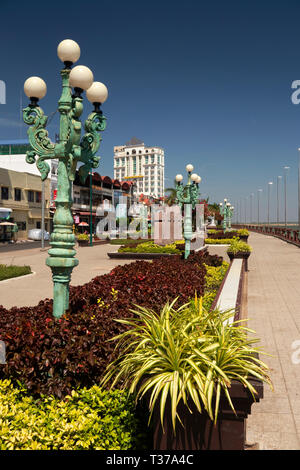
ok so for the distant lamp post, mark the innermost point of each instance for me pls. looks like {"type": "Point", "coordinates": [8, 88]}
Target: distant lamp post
{"type": "Point", "coordinates": [230, 210]}
{"type": "Point", "coordinates": [286, 169]}
{"type": "Point", "coordinates": [223, 213]}
{"type": "Point", "coordinates": [259, 191]}
{"type": "Point", "coordinates": [187, 195]}
{"type": "Point", "coordinates": [251, 204]}
{"type": "Point", "coordinates": [278, 204]}
{"type": "Point", "coordinates": [69, 150]}
{"type": "Point", "coordinates": [226, 211]}
{"type": "Point", "coordinates": [269, 187]}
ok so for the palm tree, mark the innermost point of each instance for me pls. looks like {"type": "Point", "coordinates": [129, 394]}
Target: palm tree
{"type": "Point", "coordinates": [171, 198]}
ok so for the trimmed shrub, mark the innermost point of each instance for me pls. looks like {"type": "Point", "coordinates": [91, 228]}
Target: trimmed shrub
{"type": "Point", "coordinates": [91, 419]}
{"type": "Point", "coordinates": [213, 280]}
{"type": "Point", "coordinates": [217, 241]}
{"type": "Point", "coordinates": [238, 246]}
{"type": "Point", "coordinates": [83, 236]}
{"type": "Point", "coordinates": [150, 247]}
{"type": "Point", "coordinates": [243, 232]}
{"type": "Point", "coordinates": [220, 235]}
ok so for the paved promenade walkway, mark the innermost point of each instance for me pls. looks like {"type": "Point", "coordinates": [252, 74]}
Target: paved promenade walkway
{"type": "Point", "coordinates": [29, 290]}
{"type": "Point", "coordinates": [274, 313]}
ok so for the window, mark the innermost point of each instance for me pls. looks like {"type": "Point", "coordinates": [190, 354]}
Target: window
{"type": "Point", "coordinates": [17, 194]}
{"type": "Point", "coordinates": [30, 196]}
{"type": "Point", "coordinates": [4, 192]}
{"type": "Point", "coordinates": [21, 225]}
{"type": "Point", "coordinates": [38, 196]}
{"type": "Point", "coordinates": [38, 224]}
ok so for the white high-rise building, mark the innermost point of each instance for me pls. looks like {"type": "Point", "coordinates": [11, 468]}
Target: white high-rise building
{"type": "Point", "coordinates": [144, 165]}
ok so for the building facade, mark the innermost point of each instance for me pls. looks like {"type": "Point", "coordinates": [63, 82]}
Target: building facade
{"type": "Point", "coordinates": [99, 191]}
{"type": "Point", "coordinates": [22, 193]}
{"type": "Point", "coordinates": [21, 189]}
{"type": "Point", "coordinates": [143, 165]}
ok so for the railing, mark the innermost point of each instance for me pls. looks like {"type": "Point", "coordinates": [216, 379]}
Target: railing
{"type": "Point", "coordinates": [287, 234]}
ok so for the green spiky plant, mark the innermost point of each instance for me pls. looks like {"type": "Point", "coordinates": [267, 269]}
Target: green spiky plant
{"type": "Point", "coordinates": [185, 354]}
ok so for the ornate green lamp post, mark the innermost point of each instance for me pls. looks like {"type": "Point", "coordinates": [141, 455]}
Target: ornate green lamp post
{"type": "Point", "coordinates": [226, 210]}
{"type": "Point", "coordinates": [230, 210]}
{"type": "Point", "coordinates": [187, 195]}
{"type": "Point", "coordinates": [69, 151]}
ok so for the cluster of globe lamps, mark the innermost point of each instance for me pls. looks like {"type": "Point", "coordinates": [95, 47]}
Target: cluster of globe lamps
{"type": "Point", "coordinates": [81, 78]}
{"type": "Point", "coordinates": [194, 177]}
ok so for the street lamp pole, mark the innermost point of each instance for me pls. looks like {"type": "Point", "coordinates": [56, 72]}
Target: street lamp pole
{"type": "Point", "coordinates": [278, 210]}
{"type": "Point", "coordinates": [91, 208]}
{"type": "Point", "coordinates": [187, 196]}
{"type": "Point", "coordinates": [269, 186]}
{"type": "Point", "coordinates": [286, 169]}
{"type": "Point", "coordinates": [251, 203]}
{"type": "Point", "coordinates": [70, 150]}
{"type": "Point", "coordinates": [258, 193]}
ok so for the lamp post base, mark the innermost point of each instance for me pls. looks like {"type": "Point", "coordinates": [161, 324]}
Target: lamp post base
{"type": "Point", "coordinates": [61, 274]}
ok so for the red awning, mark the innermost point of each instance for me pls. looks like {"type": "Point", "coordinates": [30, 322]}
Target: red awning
{"type": "Point", "coordinates": [87, 213]}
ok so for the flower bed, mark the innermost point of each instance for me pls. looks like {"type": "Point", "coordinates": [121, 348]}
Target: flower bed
{"type": "Point", "coordinates": [54, 357]}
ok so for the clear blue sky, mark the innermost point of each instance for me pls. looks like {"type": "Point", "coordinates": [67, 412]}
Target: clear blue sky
{"type": "Point", "coordinates": [210, 82]}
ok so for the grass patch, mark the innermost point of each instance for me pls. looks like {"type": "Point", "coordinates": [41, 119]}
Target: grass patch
{"type": "Point", "coordinates": [8, 272]}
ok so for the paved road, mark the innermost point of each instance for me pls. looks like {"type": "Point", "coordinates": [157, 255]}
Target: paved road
{"type": "Point", "coordinates": [8, 248]}
{"type": "Point", "coordinates": [29, 290]}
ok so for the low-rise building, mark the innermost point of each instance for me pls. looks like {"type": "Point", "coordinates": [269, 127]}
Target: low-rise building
{"type": "Point", "coordinates": [21, 189]}
{"type": "Point", "coordinates": [104, 190]}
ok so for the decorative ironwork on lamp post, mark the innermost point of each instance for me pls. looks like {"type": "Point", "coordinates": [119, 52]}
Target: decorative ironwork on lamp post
{"type": "Point", "coordinates": [69, 150]}
{"type": "Point", "coordinates": [187, 195]}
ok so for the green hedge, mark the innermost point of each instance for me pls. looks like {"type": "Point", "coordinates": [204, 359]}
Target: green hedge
{"type": "Point", "coordinates": [7, 272]}
{"type": "Point", "coordinates": [150, 247]}
{"type": "Point", "coordinates": [91, 419]}
{"type": "Point", "coordinates": [213, 280]}
{"type": "Point", "coordinates": [218, 241]}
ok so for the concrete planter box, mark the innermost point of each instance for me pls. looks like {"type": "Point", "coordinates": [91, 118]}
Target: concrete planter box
{"type": "Point", "coordinates": [137, 256]}
{"type": "Point", "coordinates": [240, 255]}
{"type": "Point", "coordinates": [95, 242]}
{"type": "Point", "coordinates": [199, 432]}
